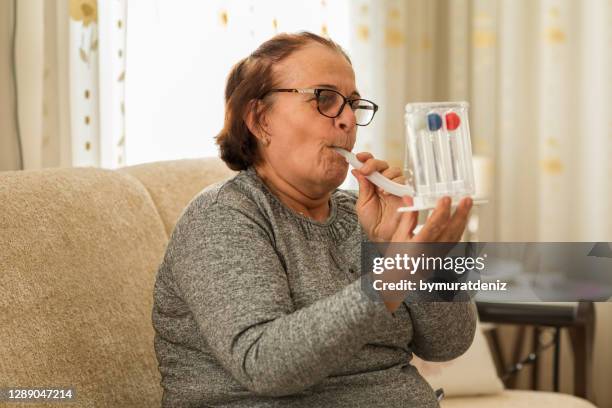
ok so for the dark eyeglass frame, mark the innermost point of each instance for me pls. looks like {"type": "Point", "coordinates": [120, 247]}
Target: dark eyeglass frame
{"type": "Point", "coordinates": [317, 93]}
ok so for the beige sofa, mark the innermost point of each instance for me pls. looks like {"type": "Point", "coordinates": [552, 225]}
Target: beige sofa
{"type": "Point", "coordinates": [80, 248]}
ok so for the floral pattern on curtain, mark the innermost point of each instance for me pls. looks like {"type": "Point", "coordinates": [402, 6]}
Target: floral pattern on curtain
{"type": "Point", "coordinates": [97, 76]}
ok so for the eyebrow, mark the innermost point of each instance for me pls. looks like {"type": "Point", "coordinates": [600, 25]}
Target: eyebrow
{"type": "Point", "coordinates": [335, 88]}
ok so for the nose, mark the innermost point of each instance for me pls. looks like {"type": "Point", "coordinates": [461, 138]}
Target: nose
{"type": "Point", "coordinates": [347, 120]}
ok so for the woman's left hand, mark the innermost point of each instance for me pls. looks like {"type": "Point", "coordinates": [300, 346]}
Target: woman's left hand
{"type": "Point", "coordinates": [376, 209]}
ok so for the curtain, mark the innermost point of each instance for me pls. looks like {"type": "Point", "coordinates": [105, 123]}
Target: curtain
{"type": "Point", "coordinates": [9, 145]}
{"type": "Point", "coordinates": [537, 75]}
{"type": "Point", "coordinates": [71, 70]}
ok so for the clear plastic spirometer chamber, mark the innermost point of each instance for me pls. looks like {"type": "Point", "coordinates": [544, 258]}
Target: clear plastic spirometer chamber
{"type": "Point", "coordinates": [438, 159]}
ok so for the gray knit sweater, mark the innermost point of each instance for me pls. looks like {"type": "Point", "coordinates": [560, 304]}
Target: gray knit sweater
{"type": "Point", "coordinates": [258, 306]}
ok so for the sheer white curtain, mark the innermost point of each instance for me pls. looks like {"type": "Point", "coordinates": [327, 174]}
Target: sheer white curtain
{"type": "Point", "coordinates": [538, 77]}
{"type": "Point", "coordinates": [180, 52]}
{"type": "Point", "coordinates": [70, 65]}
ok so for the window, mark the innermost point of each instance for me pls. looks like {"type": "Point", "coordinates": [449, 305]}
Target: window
{"type": "Point", "coordinates": [179, 53]}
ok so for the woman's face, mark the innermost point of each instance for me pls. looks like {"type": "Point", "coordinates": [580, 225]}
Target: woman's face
{"type": "Point", "coordinates": [301, 139]}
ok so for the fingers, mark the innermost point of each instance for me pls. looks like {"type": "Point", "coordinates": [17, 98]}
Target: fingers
{"type": "Point", "coordinates": [370, 164]}
{"type": "Point", "coordinates": [441, 227]}
{"type": "Point", "coordinates": [435, 225]}
{"type": "Point", "coordinates": [363, 156]}
{"type": "Point", "coordinates": [456, 225]}
{"type": "Point", "coordinates": [393, 173]}
{"type": "Point", "coordinates": [366, 188]}
{"type": "Point", "coordinates": [407, 223]}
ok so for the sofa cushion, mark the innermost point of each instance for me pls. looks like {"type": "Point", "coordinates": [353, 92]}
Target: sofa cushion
{"type": "Point", "coordinates": [518, 399]}
{"type": "Point", "coordinates": [80, 249]}
{"type": "Point", "coordinates": [172, 184]}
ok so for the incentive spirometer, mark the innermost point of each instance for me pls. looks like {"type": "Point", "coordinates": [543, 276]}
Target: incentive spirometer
{"type": "Point", "coordinates": [438, 157]}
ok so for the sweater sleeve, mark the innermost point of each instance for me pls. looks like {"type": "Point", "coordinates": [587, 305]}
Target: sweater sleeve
{"type": "Point", "coordinates": [234, 283]}
{"type": "Point", "coordinates": [442, 330]}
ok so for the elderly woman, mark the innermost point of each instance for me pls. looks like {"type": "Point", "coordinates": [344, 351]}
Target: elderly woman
{"type": "Point", "coordinates": [258, 301]}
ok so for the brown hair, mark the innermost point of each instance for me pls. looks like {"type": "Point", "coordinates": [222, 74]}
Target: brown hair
{"type": "Point", "coordinates": [250, 79]}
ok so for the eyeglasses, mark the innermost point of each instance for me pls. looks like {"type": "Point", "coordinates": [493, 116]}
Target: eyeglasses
{"type": "Point", "coordinates": [331, 103]}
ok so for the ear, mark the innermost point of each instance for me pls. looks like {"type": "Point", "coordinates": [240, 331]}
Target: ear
{"type": "Point", "coordinates": [257, 129]}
